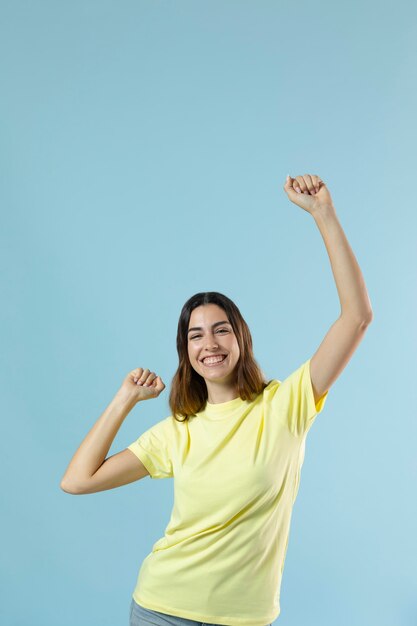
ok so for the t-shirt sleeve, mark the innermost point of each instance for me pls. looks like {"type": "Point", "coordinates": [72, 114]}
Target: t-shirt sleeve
{"type": "Point", "coordinates": [154, 449]}
{"type": "Point", "coordinates": [294, 400]}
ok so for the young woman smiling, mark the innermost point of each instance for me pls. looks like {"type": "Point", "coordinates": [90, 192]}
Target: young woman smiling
{"type": "Point", "coordinates": [234, 444]}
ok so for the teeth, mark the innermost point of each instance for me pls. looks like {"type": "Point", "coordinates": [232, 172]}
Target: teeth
{"type": "Point", "coordinates": [216, 359]}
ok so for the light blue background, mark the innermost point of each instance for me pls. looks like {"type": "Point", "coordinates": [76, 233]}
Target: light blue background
{"type": "Point", "coordinates": [143, 155]}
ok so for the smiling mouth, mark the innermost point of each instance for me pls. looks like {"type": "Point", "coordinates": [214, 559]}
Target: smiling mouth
{"type": "Point", "coordinates": [216, 363]}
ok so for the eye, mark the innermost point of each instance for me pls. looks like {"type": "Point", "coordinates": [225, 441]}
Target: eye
{"type": "Point", "coordinates": [225, 330]}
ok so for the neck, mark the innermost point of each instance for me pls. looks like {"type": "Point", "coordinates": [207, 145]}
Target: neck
{"type": "Point", "coordinates": [220, 392]}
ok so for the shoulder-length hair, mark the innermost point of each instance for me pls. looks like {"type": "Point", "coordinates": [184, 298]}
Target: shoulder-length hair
{"type": "Point", "coordinates": [188, 394]}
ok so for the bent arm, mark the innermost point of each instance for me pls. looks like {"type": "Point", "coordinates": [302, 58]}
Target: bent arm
{"type": "Point", "coordinates": [91, 454]}
{"type": "Point", "coordinates": [119, 469]}
{"type": "Point", "coordinates": [350, 284]}
{"type": "Point", "coordinates": [347, 332]}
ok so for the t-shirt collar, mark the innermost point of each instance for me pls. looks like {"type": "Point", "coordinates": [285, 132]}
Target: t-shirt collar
{"type": "Point", "coordinates": [222, 409]}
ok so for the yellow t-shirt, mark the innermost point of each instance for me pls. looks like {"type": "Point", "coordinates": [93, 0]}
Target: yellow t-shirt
{"type": "Point", "coordinates": [236, 468]}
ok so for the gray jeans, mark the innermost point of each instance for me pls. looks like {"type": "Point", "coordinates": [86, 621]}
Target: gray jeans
{"type": "Point", "coordinates": [139, 616]}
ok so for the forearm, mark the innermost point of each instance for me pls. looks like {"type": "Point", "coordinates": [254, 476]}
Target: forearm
{"type": "Point", "coordinates": [350, 284]}
{"type": "Point", "coordinates": [94, 448]}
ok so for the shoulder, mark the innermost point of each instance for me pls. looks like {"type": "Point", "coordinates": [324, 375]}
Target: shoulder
{"type": "Point", "coordinates": [162, 429]}
{"type": "Point", "coordinates": [272, 385]}
{"type": "Point", "coordinates": [271, 389]}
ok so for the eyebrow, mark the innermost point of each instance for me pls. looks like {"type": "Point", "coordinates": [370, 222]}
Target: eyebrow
{"type": "Point", "coordinates": [213, 326]}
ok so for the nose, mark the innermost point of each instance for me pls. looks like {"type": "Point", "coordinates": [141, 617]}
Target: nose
{"type": "Point", "coordinates": [211, 344]}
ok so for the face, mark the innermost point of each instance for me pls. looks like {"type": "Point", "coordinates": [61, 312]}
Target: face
{"type": "Point", "coordinates": [211, 339]}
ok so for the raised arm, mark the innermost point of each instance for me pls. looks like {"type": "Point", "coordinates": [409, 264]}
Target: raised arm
{"type": "Point", "coordinates": [311, 194]}
{"type": "Point", "coordinates": [89, 471]}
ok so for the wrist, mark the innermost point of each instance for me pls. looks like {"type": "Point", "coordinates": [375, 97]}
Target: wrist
{"type": "Point", "coordinates": [126, 399]}
{"type": "Point", "coordinates": [323, 211]}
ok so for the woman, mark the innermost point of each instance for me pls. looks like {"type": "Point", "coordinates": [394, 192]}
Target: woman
{"type": "Point", "coordinates": [234, 443]}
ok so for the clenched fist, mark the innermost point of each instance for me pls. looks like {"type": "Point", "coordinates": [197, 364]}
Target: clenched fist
{"type": "Point", "coordinates": [142, 384]}
{"type": "Point", "coordinates": [308, 192]}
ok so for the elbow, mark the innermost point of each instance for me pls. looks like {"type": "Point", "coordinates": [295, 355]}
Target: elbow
{"type": "Point", "coordinates": [68, 488]}
{"type": "Point", "coordinates": [65, 487]}
{"type": "Point", "coordinates": [363, 319]}
{"type": "Point", "coordinates": [368, 315]}
{"type": "Point", "coordinates": [368, 318]}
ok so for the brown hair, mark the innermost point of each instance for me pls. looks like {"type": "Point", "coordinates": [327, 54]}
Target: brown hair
{"type": "Point", "coordinates": [188, 393]}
